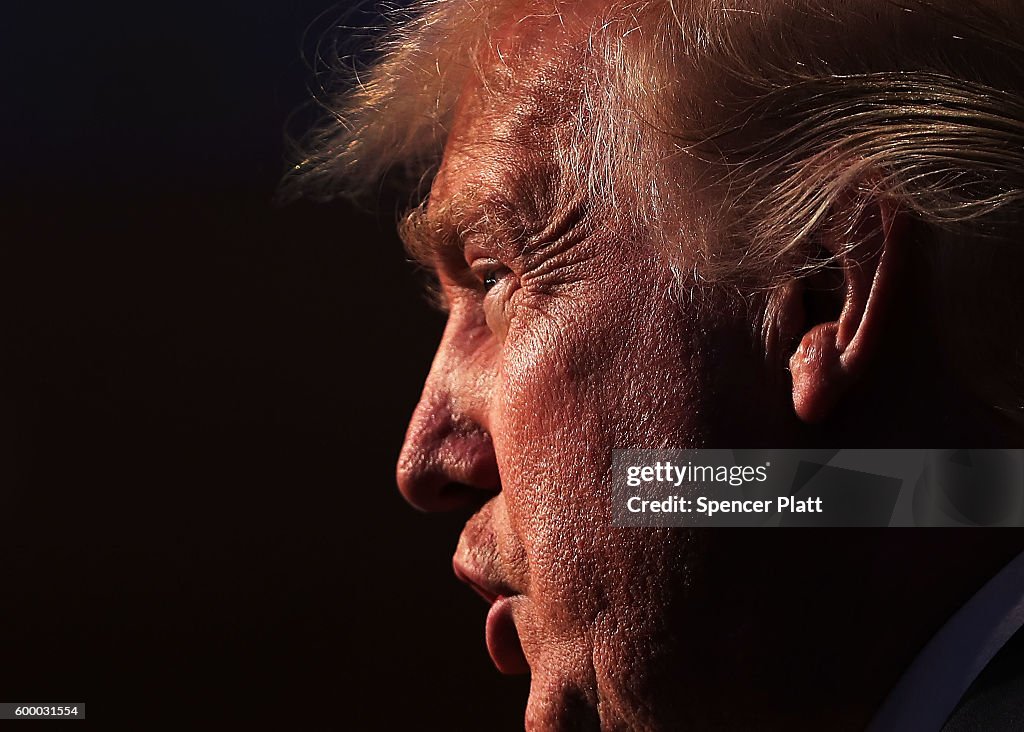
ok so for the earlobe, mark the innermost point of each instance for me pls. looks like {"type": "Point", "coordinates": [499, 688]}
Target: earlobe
{"type": "Point", "coordinates": [819, 379]}
{"type": "Point", "coordinates": [835, 350]}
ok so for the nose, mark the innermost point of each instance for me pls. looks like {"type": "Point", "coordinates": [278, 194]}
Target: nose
{"type": "Point", "coordinates": [447, 461]}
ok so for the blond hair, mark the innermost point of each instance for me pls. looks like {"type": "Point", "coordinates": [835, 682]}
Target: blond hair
{"type": "Point", "coordinates": [777, 111]}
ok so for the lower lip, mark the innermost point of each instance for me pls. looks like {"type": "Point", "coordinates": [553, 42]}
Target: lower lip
{"type": "Point", "coordinates": [503, 639]}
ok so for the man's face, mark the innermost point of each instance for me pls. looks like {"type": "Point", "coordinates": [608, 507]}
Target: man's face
{"type": "Point", "coordinates": [567, 337]}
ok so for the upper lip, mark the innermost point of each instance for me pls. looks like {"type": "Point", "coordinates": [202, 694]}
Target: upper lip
{"type": "Point", "coordinates": [488, 587]}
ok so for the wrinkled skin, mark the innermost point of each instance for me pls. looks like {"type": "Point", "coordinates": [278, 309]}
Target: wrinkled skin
{"type": "Point", "coordinates": [564, 342]}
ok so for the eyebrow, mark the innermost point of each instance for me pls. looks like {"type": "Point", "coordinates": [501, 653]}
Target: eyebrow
{"type": "Point", "coordinates": [441, 231]}
{"type": "Point", "coordinates": [425, 238]}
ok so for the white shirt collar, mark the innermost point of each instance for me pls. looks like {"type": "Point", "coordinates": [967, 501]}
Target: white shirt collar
{"type": "Point", "coordinates": [937, 679]}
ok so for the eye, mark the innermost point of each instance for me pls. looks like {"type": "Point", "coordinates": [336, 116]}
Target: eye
{"type": "Point", "coordinates": [490, 279]}
{"type": "Point", "coordinates": [489, 273]}
{"type": "Point", "coordinates": [497, 283]}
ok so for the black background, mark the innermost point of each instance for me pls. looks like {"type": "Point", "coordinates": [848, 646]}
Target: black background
{"type": "Point", "coordinates": [204, 395]}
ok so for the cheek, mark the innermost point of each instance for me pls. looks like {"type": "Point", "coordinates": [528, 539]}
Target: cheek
{"type": "Point", "coordinates": [580, 376]}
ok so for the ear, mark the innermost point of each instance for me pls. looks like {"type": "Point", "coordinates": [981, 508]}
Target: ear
{"type": "Point", "coordinates": [837, 316]}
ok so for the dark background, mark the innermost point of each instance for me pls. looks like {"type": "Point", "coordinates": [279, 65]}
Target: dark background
{"type": "Point", "coordinates": [204, 395]}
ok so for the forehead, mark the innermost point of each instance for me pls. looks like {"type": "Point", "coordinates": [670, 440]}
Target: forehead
{"type": "Point", "coordinates": [527, 89]}
{"type": "Point", "coordinates": [544, 130]}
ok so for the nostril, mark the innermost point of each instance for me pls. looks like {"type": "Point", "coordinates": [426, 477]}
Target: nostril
{"type": "Point", "coordinates": [447, 460]}
{"type": "Point", "coordinates": [432, 490]}
{"type": "Point", "coordinates": [459, 496]}
{"type": "Point", "coordinates": [421, 484]}
{"type": "Point", "coordinates": [458, 471]}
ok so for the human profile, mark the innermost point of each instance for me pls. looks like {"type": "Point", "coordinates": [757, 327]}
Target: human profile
{"type": "Point", "coordinates": [756, 224]}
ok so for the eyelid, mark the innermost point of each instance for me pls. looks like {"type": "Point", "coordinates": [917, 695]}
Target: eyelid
{"type": "Point", "coordinates": [482, 265]}
{"type": "Point", "coordinates": [484, 268]}
{"type": "Point", "coordinates": [479, 248]}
